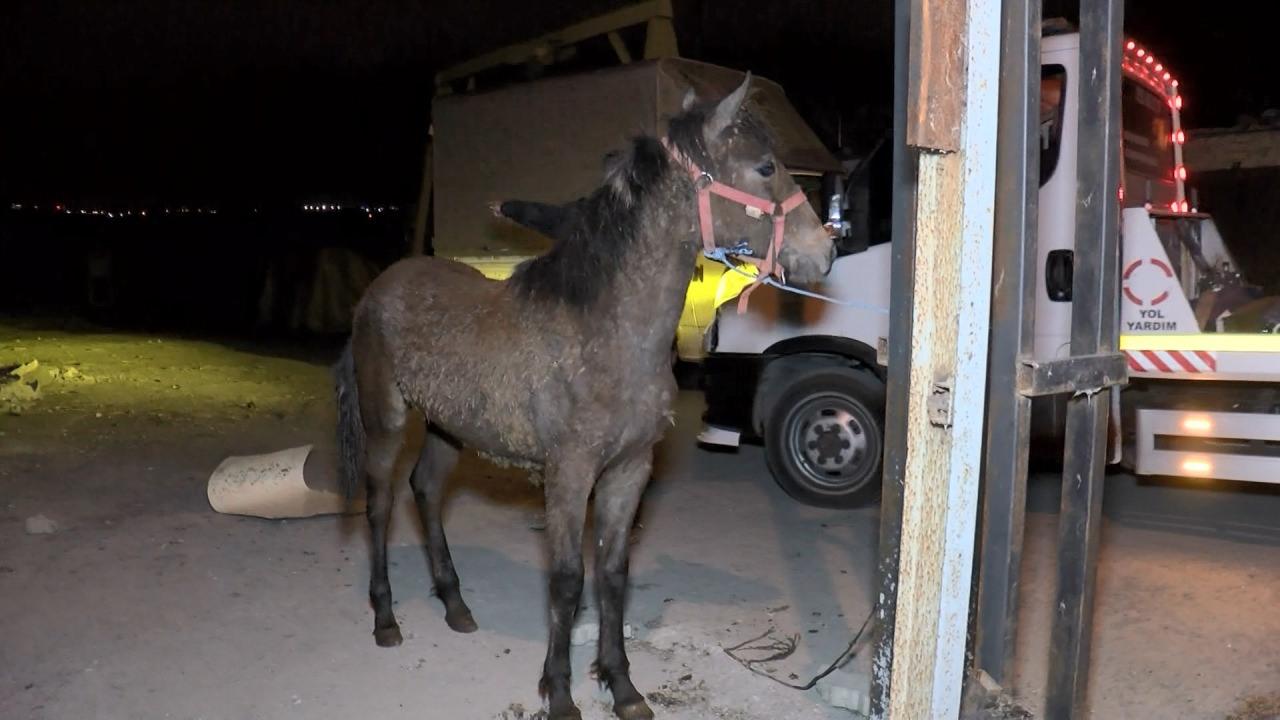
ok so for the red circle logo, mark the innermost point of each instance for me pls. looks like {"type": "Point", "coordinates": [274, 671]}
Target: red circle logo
{"type": "Point", "coordinates": [1133, 296]}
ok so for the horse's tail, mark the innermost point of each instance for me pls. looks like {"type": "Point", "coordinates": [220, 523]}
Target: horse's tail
{"type": "Point", "coordinates": [350, 425]}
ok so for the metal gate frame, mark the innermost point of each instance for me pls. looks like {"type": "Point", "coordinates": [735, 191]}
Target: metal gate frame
{"type": "Point", "coordinates": [1013, 379]}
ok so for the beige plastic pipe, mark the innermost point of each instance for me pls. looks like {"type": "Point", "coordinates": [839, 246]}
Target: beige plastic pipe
{"type": "Point", "coordinates": [274, 485]}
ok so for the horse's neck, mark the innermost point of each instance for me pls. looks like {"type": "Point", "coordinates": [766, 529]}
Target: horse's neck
{"type": "Point", "coordinates": [649, 293]}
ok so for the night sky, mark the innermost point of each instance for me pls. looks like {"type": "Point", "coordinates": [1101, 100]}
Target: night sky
{"type": "Point", "coordinates": [278, 101]}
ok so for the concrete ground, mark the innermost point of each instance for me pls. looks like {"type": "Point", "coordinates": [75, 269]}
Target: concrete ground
{"type": "Point", "coordinates": [144, 603]}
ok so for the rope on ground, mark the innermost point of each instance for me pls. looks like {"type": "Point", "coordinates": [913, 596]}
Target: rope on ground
{"type": "Point", "coordinates": [784, 648]}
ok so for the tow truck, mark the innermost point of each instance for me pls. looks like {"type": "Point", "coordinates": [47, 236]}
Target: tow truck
{"type": "Point", "coordinates": [807, 377]}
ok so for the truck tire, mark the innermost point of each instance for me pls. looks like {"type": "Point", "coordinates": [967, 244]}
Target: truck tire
{"type": "Point", "coordinates": [824, 437]}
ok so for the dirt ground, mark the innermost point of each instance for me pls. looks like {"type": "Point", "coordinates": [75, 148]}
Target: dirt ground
{"type": "Point", "coordinates": [131, 598]}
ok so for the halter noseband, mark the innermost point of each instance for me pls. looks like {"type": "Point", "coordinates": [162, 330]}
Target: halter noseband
{"type": "Point", "coordinates": [706, 186]}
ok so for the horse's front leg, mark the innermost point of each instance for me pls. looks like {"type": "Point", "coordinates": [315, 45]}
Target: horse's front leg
{"type": "Point", "coordinates": [568, 486]}
{"type": "Point", "coordinates": [617, 499]}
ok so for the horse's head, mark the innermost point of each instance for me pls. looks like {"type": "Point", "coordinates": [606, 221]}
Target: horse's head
{"type": "Point", "coordinates": [729, 149]}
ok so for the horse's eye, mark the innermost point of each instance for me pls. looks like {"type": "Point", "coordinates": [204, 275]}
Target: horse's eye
{"type": "Point", "coordinates": [766, 170]}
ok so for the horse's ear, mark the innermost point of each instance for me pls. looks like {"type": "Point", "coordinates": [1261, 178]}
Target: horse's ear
{"type": "Point", "coordinates": [727, 110]}
{"type": "Point", "coordinates": [690, 99]}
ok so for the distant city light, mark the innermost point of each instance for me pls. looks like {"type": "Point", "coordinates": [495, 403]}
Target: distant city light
{"type": "Point", "coordinates": [115, 213]}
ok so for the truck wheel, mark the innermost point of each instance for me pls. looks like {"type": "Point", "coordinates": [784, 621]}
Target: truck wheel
{"type": "Point", "coordinates": [824, 438]}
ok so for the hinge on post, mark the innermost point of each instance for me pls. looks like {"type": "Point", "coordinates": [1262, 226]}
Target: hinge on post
{"type": "Point", "coordinates": [939, 406]}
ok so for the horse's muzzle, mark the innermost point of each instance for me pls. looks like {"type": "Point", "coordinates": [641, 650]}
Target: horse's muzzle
{"type": "Point", "coordinates": [806, 267]}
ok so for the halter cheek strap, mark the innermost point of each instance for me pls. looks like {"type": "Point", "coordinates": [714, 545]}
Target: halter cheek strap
{"type": "Point", "coordinates": [707, 186]}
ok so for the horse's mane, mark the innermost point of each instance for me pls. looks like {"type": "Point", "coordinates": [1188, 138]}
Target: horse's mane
{"type": "Point", "coordinates": [597, 231]}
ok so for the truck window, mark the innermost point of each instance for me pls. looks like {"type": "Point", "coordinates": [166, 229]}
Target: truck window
{"type": "Point", "coordinates": [1147, 139]}
{"type": "Point", "coordinates": [869, 192]}
{"type": "Point", "coordinates": [1053, 84]}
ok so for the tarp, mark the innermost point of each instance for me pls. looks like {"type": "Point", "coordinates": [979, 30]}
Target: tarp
{"type": "Point", "coordinates": [546, 141]}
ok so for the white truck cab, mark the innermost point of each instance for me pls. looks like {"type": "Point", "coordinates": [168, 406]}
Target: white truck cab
{"type": "Point", "coordinates": [806, 377]}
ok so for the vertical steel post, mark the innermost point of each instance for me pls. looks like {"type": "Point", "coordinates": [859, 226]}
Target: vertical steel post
{"type": "Point", "coordinates": [951, 119]}
{"type": "Point", "coordinates": [1012, 329]}
{"type": "Point", "coordinates": [903, 276]}
{"type": "Point", "coordinates": [422, 211]}
{"type": "Point", "coordinates": [1093, 331]}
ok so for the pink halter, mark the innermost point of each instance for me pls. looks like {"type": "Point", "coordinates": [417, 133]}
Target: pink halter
{"type": "Point", "coordinates": [707, 186]}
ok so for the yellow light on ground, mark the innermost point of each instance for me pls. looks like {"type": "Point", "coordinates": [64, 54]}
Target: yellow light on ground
{"type": "Point", "coordinates": [1197, 424]}
{"type": "Point", "coordinates": [1197, 466]}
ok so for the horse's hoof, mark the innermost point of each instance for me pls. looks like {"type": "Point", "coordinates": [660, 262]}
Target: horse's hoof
{"type": "Point", "coordinates": [387, 637]}
{"type": "Point", "coordinates": [461, 621]}
{"type": "Point", "coordinates": [637, 710]}
{"type": "Point", "coordinates": [571, 714]}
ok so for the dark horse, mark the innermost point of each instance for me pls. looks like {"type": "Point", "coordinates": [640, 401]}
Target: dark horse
{"type": "Point", "coordinates": [564, 368]}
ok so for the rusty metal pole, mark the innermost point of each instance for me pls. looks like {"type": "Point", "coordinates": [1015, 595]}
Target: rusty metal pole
{"type": "Point", "coordinates": [903, 275]}
{"type": "Point", "coordinates": [950, 126]}
{"type": "Point", "coordinates": [1004, 484]}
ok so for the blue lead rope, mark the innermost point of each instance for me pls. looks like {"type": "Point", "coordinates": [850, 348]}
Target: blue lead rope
{"type": "Point", "coordinates": [722, 255]}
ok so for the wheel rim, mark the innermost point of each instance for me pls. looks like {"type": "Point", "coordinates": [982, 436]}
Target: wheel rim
{"type": "Point", "coordinates": [830, 439]}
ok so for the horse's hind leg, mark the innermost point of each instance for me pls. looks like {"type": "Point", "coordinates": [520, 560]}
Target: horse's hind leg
{"type": "Point", "coordinates": [383, 411]}
{"type": "Point", "coordinates": [382, 452]}
{"type": "Point", "coordinates": [437, 460]}
{"type": "Point", "coordinates": [617, 498]}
